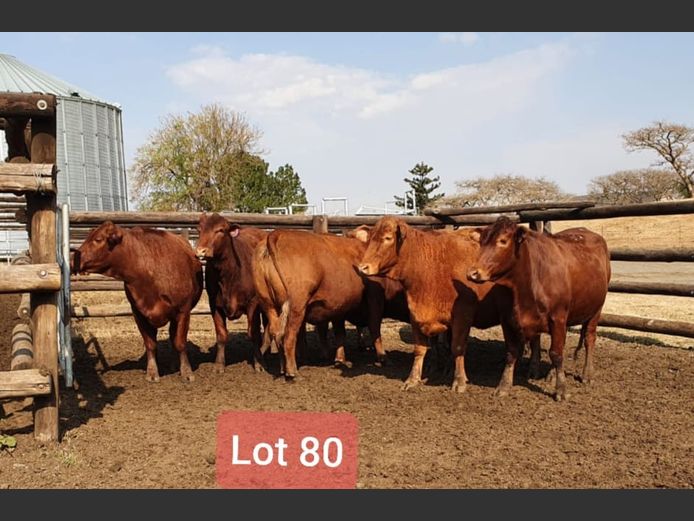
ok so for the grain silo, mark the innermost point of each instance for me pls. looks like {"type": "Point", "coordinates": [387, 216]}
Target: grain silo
{"type": "Point", "coordinates": [89, 139]}
{"type": "Point", "coordinates": [89, 149]}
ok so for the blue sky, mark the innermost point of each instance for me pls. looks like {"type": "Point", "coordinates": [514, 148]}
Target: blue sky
{"type": "Point", "coordinates": [352, 112]}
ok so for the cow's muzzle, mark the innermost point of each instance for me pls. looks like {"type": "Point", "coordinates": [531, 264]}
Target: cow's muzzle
{"type": "Point", "coordinates": [477, 275]}
{"type": "Point", "coordinates": [202, 253]}
{"type": "Point", "coordinates": [368, 269]}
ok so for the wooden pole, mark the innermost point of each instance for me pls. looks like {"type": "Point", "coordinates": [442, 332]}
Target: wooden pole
{"type": "Point", "coordinates": [44, 306]}
{"type": "Point", "coordinates": [320, 224]}
{"type": "Point", "coordinates": [685, 206]}
{"type": "Point", "coordinates": [472, 210]}
{"type": "Point", "coordinates": [652, 288]}
{"type": "Point", "coordinates": [649, 325]}
{"type": "Point", "coordinates": [665, 255]}
{"type": "Point", "coordinates": [27, 105]}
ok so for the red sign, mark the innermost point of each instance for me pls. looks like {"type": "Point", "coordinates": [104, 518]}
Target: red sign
{"type": "Point", "coordinates": [287, 450]}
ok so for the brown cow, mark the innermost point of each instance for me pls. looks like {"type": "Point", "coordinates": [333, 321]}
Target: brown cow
{"type": "Point", "coordinates": [557, 281]}
{"type": "Point", "coordinates": [302, 276]}
{"type": "Point", "coordinates": [432, 267]}
{"type": "Point", "coordinates": [228, 250]}
{"type": "Point", "coordinates": [163, 282]}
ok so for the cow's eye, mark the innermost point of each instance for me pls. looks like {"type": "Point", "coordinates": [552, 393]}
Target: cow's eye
{"type": "Point", "coordinates": [220, 231]}
{"type": "Point", "coordinates": [388, 238]}
{"type": "Point", "coordinates": [503, 242]}
{"type": "Point", "coordinates": [99, 239]}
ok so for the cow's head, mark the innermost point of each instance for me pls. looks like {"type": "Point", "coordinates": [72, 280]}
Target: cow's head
{"type": "Point", "coordinates": [499, 248]}
{"type": "Point", "coordinates": [216, 234]}
{"type": "Point", "coordinates": [94, 256]}
{"type": "Point", "coordinates": [382, 251]}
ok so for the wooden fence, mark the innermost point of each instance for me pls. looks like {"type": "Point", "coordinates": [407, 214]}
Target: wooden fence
{"type": "Point", "coordinates": [537, 215]}
{"type": "Point", "coordinates": [30, 173]}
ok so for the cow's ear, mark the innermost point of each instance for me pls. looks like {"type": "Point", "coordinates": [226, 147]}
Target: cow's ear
{"type": "Point", "coordinates": [400, 233]}
{"type": "Point", "coordinates": [234, 230]}
{"type": "Point", "coordinates": [363, 233]}
{"type": "Point", "coordinates": [521, 232]}
{"type": "Point", "coordinates": [476, 234]}
{"type": "Point", "coordinates": [115, 237]}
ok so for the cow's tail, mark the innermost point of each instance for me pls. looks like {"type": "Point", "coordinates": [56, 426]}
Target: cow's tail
{"type": "Point", "coordinates": [278, 286]}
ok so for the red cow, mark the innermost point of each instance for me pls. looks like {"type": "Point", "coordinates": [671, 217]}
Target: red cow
{"type": "Point", "coordinates": [431, 266]}
{"type": "Point", "coordinates": [229, 279]}
{"type": "Point", "coordinates": [302, 276]}
{"type": "Point", "coordinates": [163, 282]}
{"type": "Point", "coordinates": [556, 280]}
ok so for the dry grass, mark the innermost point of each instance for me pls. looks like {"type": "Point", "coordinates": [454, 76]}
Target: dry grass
{"type": "Point", "coordinates": [666, 231]}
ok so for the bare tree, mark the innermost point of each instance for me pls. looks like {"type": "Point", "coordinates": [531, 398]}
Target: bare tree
{"type": "Point", "coordinates": [504, 189]}
{"type": "Point", "coordinates": [671, 141]}
{"type": "Point", "coordinates": [635, 186]}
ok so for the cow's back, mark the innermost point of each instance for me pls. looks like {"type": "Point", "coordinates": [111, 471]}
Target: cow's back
{"type": "Point", "coordinates": [320, 269]}
{"type": "Point", "coordinates": [164, 267]}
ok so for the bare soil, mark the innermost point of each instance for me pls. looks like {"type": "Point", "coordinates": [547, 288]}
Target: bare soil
{"type": "Point", "coordinates": [632, 428]}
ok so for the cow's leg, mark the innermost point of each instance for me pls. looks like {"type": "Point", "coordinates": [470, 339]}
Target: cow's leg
{"type": "Point", "coordinates": [302, 345]}
{"type": "Point", "coordinates": [375, 333]}
{"type": "Point", "coordinates": [149, 336]}
{"type": "Point", "coordinates": [420, 350]}
{"type": "Point", "coordinates": [463, 316]}
{"type": "Point", "coordinates": [581, 341]}
{"type": "Point", "coordinates": [340, 335]}
{"type": "Point", "coordinates": [591, 333]}
{"type": "Point", "coordinates": [256, 336]}
{"type": "Point", "coordinates": [295, 319]}
{"type": "Point", "coordinates": [557, 331]}
{"type": "Point", "coordinates": [514, 344]}
{"type": "Point", "coordinates": [267, 340]}
{"type": "Point", "coordinates": [324, 348]}
{"type": "Point", "coordinates": [220, 328]}
{"type": "Point", "coordinates": [534, 368]}
{"type": "Point", "coordinates": [178, 330]}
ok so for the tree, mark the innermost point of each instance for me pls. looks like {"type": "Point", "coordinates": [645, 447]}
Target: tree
{"type": "Point", "coordinates": [192, 162]}
{"type": "Point", "coordinates": [258, 189]}
{"type": "Point", "coordinates": [505, 189]}
{"type": "Point", "coordinates": [635, 186]}
{"type": "Point", "coordinates": [671, 142]}
{"type": "Point", "coordinates": [423, 187]}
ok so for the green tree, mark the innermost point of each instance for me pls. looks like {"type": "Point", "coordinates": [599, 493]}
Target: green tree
{"type": "Point", "coordinates": [192, 162]}
{"type": "Point", "coordinates": [259, 189]}
{"type": "Point", "coordinates": [423, 185]}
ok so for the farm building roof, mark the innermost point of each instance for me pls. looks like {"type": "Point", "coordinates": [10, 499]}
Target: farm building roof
{"type": "Point", "coordinates": [16, 76]}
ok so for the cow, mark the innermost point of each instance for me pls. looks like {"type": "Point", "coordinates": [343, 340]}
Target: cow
{"type": "Point", "coordinates": [557, 280]}
{"type": "Point", "coordinates": [163, 282]}
{"type": "Point", "coordinates": [228, 251]}
{"type": "Point", "coordinates": [302, 276]}
{"type": "Point", "coordinates": [432, 268]}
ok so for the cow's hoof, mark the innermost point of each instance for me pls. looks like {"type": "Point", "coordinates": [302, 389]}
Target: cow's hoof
{"type": "Point", "coordinates": [459, 385]}
{"type": "Point", "coordinates": [339, 364]}
{"type": "Point", "coordinates": [381, 361]}
{"type": "Point", "coordinates": [258, 368]}
{"type": "Point", "coordinates": [501, 391]}
{"type": "Point", "coordinates": [218, 368]}
{"type": "Point", "coordinates": [560, 395]}
{"type": "Point", "coordinates": [551, 377]}
{"type": "Point", "coordinates": [152, 378]}
{"type": "Point", "coordinates": [411, 383]}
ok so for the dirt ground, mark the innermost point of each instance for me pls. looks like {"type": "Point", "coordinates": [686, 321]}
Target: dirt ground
{"type": "Point", "coordinates": [632, 428]}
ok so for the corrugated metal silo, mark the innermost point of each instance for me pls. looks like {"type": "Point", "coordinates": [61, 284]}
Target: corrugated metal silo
{"type": "Point", "coordinates": [90, 158]}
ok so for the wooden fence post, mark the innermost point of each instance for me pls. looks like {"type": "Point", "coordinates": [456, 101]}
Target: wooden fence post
{"type": "Point", "coordinates": [320, 224]}
{"type": "Point", "coordinates": [44, 306]}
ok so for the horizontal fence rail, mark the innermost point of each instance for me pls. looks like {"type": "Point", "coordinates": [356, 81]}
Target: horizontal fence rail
{"type": "Point", "coordinates": [185, 223]}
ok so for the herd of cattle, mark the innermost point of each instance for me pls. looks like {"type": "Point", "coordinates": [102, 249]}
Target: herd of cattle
{"type": "Point", "coordinates": [440, 281]}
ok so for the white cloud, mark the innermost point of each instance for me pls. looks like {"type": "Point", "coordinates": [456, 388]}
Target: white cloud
{"type": "Point", "coordinates": [466, 39]}
{"type": "Point", "coordinates": [355, 131]}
